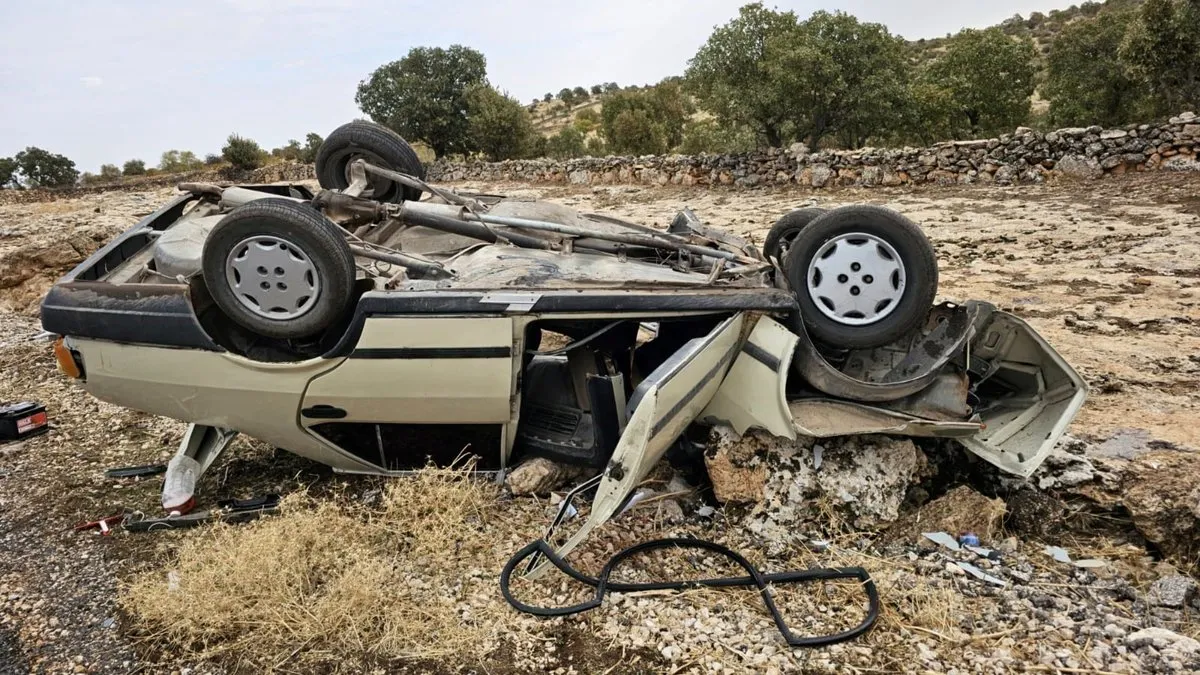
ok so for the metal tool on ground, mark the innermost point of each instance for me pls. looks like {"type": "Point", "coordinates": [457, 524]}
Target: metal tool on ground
{"type": "Point", "coordinates": [227, 511]}
{"type": "Point", "coordinates": [136, 471]}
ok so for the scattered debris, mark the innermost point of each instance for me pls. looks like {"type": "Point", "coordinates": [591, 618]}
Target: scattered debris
{"type": "Point", "coordinates": [136, 471]}
{"type": "Point", "coordinates": [1058, 553]}
{"type": "Point", "coordinates": [105, 525]}
{"type": "Point", "coordinates": [968, 539]}
{"type": "Point", "coordinates": [227, 511]}
{"type": "Point", "coordinates": [944, 539]}
{"type": "Point", "coordinates": [980, 574]}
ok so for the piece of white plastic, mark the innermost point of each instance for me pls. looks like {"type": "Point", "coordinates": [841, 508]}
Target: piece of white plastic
{"type": "Point", "coordinates": [179, 484]}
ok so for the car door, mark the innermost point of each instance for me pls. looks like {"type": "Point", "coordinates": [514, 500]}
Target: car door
{"type": "Point", "coordinates": [435, 379]}
{"type": "Point", "coordinates": [661, 408]}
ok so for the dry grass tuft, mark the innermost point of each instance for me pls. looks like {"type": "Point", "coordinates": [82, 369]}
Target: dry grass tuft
{"type": "Point", "coordinates": [330, 584]}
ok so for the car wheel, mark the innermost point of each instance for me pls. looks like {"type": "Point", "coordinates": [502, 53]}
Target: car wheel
{"type": "Point", "coordinates": [377, 145]}
{"type": "Point", "coordinates": [783, 232]}
{"type": "Point", "coordinates": [279, 268]}
{"type": "Point", "coordinates": [863, 276]}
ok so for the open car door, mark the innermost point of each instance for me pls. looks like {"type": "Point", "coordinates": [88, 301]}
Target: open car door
{"type": "Point", "coordinates": [661, 408]}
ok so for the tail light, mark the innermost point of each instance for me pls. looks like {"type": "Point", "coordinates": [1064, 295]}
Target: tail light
{"type": "Point", "coordinates": [68, 360]}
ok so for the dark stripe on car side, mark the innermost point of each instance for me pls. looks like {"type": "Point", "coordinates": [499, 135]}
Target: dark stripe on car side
{"type": "Point", "coordinates": [691, 394]}
{"type": "Point", "coordinates": [761, 355]}
{"type": "Point", "coordinates": [432, 353]}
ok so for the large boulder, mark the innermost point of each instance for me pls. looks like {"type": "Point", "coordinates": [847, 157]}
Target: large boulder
{"type": "Point", "coordinates": [1161, 491]}
{"type": "Point", "coordinates": [858, 480]}
{"type": "Point", "coordinates": [539, 476]}
{"type": "Point", "coordinates": [959, 510]}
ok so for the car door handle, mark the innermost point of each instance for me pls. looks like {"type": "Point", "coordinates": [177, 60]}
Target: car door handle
{"type": "Point", "coordinates": [323, 412]}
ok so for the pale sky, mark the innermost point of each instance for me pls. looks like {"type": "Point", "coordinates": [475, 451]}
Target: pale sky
{"type": "Point", "coordinates": [103, 82]}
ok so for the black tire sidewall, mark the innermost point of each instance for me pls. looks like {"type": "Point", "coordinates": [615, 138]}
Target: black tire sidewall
{"type": "Point", "coordinates": [302, 227]}
{"type": "Point", "coordinates": [368, 138]}
{"type": "Point", "coordinates": [915, 251]}
{"type": "Point", "coordinates": [786, 228]}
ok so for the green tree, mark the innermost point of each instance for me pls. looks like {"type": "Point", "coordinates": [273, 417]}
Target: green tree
{"type": "Point", "coordinates": [212, 159]}
{"type": "Point", "coordinates": [1162, 46]}
{"type": "Point", "coordinates": [732, 76]}
{"type": "Point", "coordinates": [109, 172]}
{"type": "Point", "coordinates": [242, 154]}
{"type": "Point", "coordinates": [595, 147]}
{"type": "Point", "coordinates": [1086, 81]}
{"type": "Point", "coordinates": [175, 161]}
{"type": "Point", "coordinates": [611, 87]}
{"type": "Point", "coordinates": [289, 152]}
{"type": "Point", "coordinates": [597, 89]}
{"type": "Point", "coordinates": [548, 97]}
{"type": "Point", "coordinates": [930, 113]}
{"type": "Point", "coordinates": [990, 79]}
{"type": "Point", "coordinates": [424, 95]}
{"type": "Point", "coordinates": [567, 96]}
{"type": "Point", "coordinates": [565, 144]}
{"type": "Point", "coordinates": [586, 120]}
{"type": "Point", "coordinates": [8, 173]}
{"type": "Point", "coordinates": [580, 93]}
{"type": "Point", "coordinates": [498, 125]}
{"type": "Point", "coordinates": [134, 167]}
{"type": "Point", "coordinates": [40, 168]}
{"type": "Point", "coordinates": [312, 143]}
{"type": "Point", "coordinates": [712, 137]}
{"type": "Point", "coordinates": [838, 76]}
{"type": "Point", "coordinates": [645, 121]}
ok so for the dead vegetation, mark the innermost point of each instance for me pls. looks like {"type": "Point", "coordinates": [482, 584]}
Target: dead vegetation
{"type": "Point", "coordinates": [333, 582]}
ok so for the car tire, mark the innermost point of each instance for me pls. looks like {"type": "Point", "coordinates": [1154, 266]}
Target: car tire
{"type": "Point", "coordinates": [378, 145]}
{"type": "Point", "coordinates": [261, 259]}
{"type": "Point", "coordinates": [783, 232]}
{"type": "Point", "coordinates": [863, 276]}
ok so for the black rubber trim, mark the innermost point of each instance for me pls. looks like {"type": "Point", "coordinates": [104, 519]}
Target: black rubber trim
{"type": "Point", "coordinates": [401, 304]}
{"type": "Point", "coordinates": [754, 578]}
{"type": "Point", "coordinates": [154, 314]}
{"type": "Point", "coordinates": [435, 302]}
{"type": "Point", "coordinates": [432, 353]}
{"type": "Point", "coordinates": [761, 355]}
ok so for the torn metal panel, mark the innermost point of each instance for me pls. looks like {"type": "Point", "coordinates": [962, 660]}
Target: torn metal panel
{"type": "Point", "coordinates": [754, 392]}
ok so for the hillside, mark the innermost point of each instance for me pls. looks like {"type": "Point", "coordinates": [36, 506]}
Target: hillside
{"type": "Point", "coordinates": [551, 117]}
{"type": "Point", "coordinates": [1041, 28]}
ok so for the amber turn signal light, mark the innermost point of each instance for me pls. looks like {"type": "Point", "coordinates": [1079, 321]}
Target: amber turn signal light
{"type": "Point", "coordinates": [66, 360]}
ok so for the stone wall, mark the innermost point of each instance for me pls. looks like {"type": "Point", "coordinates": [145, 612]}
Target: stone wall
{"type": "Point", "coordinates": [1023, 156]}
{"type": "Point", "coordinates": [273, 173]}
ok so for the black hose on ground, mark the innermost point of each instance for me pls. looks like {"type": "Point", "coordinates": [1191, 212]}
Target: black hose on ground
{"type": "Point", "coordinates": [755, 578]}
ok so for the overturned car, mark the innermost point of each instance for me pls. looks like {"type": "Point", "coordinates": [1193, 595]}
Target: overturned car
{"type": "Point", "coordinates": [384, 321]}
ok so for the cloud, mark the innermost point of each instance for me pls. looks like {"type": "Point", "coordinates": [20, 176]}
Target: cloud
{"type": "Point", "coordinates": [91, 81]}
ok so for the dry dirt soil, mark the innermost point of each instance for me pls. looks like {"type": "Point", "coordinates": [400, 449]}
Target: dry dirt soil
{"type": "Point", "coordinates": [1107, 271]}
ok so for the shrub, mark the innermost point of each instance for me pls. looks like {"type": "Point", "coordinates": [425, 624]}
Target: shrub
{"type": "Point", "coordinates": [134, 167]}
{"type": "Point", "coordinates": [109, 172]}
{"type": "Point", "coordinates": [596, 147]}
{"type": "Point", "coordinates": [242, 154]}
{"type": "Point", "coordinates": [175, 161]}
{"type": "Point", "coordinates": [565, 144]}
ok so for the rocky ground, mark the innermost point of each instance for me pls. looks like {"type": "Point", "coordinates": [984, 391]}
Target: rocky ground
{"type": "Point", "coordinates": [1107, 271]}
